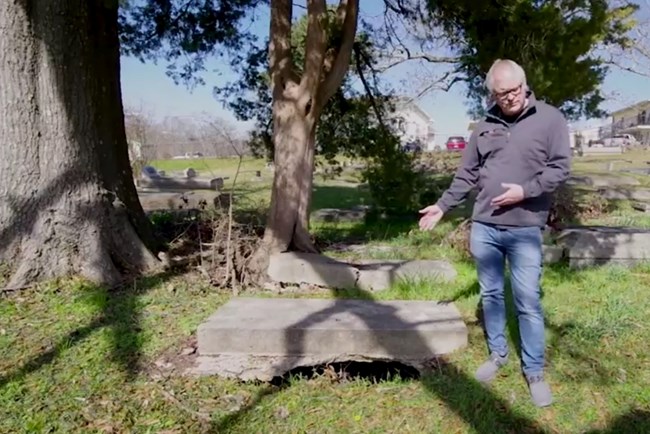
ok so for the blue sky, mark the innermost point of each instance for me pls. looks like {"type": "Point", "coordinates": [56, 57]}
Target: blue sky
{"type": "Point", "coordinates": [146, 85]}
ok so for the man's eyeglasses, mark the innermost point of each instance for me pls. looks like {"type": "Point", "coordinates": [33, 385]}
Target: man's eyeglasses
{"type": "Point", "coordinates": [506, 93]}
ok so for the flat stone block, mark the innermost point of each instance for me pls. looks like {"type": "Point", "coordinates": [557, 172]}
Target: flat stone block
{"type": "Point", "coordinates": [262, 337]}
{"type": "Point", "coordinates": [602, 180]}
{"type": "Point", "coordinates": [596, 245]}
{"type": "Point", "coordinates": [552, 254]}
{"type": "Point", "coordinates": [638, 194]}
{"type": "Point", "coordinates": [377, 275]}
{"type": "Point", "coordinates": [353, 215]}
{"type": "Point", "coordinates": [602, 150]}
{"type": "Point", "coordinates": [294, 267]}
{"type": "Point", "coordinates": [641, 206]}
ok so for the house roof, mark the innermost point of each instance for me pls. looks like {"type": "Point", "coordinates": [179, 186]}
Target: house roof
{"type": "Point", "coordinates": [633, 106]}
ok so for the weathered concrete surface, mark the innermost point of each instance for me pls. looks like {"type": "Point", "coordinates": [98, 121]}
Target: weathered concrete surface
{"type": "Point", "coordinates": [253, 338]}
{"type": "Point", "coordinates": [639, 194]}
{"type": "Point", "coordinates": [352, 215]}
{"type": "Point", "coordinates": [200, 199]}
{"type": "Point", "coordinates": [641, 206]}
{"type": "Point", "coordinates": [602, 180]}
{"type": "Point", "coordinates": [552, 254]}
{"type": "Point", "coordinates": [297, 268]}
{"type": "Point", "coordinates": [181, 184]}
{"type": "Point", "coordinates": [380, 274]}
{"type": "Point", "coordinates": [604, 150]}
{"type": "Point", "coordinates": [593, 245]}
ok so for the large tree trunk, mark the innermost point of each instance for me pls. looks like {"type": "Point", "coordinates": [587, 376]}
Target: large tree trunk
{"type": "Point", "coordinates": [68, 204]}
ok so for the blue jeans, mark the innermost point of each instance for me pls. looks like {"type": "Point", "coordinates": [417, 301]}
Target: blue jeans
{"type": "Point", "coordinates": [522, 247]}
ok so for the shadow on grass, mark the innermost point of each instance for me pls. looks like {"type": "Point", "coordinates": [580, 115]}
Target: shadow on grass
{"type": "Point", "coordinates": [478, 406]}
{"type": "Point", "coordinates": [586, 365]}
{"type": "Point", "coordinates": [338, 196]}
{"type": "Point", "coordinates": [635, 421]}
{"type": "Point", "coordinates": [120, 312]}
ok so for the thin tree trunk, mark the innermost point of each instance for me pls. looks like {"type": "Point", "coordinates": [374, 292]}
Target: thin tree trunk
{"type": "Point", "coordinates": [68, 204]}
{"type": "Point", "coordinates": [297, 104]}
{"type": "Point", "coordinates": [292, 184]}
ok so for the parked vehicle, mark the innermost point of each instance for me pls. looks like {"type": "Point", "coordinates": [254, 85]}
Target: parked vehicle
{"type": "Point", "coordinates": [456, 143]}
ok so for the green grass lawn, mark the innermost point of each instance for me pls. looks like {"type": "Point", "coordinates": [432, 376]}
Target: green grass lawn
{"type": "Point", "coordinates": [77, 358]}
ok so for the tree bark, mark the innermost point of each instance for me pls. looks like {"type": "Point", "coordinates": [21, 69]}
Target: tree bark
{"type": "Point", "coordinates": [297, 104]}
{"type": "Point", "coordinates": [68, 204]}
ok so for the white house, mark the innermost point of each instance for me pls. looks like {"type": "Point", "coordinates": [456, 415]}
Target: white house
{"type": "Point", "coordinates": [414, 124]}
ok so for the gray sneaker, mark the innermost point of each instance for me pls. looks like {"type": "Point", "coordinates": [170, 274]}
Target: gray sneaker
{"type": "Point", "coordinates": [488, 370]}
{"type": "Point", "coordinates": [540, 391]}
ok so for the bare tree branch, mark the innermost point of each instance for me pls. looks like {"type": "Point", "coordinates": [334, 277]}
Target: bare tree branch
{"type": "Point", "coordinates": [422, 56]}
{"type": "Point", "coordinates": [315, 45]}
{"type": "Point", "coordinates": [280, 45]}
{"type": "Point", "coordinates": [348, 13]}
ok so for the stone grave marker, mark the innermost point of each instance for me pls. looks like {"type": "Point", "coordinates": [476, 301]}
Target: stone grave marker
{"type": "Point", "coordinates": [262, 338]}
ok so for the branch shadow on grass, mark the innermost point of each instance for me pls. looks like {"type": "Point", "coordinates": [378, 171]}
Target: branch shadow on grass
{"type": "Point", "coordinates": [474, 403]}
{"type": "Point", "coordinates": [564, 341]}
{"type": "Point", "coordinates": [98, 140]}
{"type": "Point", "coordinates": [120, 312]}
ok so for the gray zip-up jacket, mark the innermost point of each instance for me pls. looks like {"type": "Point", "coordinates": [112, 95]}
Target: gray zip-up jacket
{"type": "Point", "coordinates": [533, 151]}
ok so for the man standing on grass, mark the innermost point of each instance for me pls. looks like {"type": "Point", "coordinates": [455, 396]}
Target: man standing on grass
{"type": "Point", "coordinates": [516, 158]}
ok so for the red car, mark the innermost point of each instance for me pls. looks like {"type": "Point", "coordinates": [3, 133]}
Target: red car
{"type": "Point", "coordinates": [456, 143]}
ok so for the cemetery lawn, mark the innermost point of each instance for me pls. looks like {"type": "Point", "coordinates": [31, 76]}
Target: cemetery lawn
{"type": "Point", "coordinates": [78, 358]}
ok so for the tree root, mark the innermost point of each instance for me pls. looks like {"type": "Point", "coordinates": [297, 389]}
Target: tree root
{"type": "Point", "coordinates": [103, 248]}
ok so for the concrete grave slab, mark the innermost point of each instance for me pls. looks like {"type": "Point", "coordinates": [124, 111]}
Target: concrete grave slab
{"type": "Point", "coordinates": [602, 180]}
{"type": "Point", "coordinates": [168, 183]}
{"type": "Point", "coordinates": [638, 194]}
{"type": "Point", "coordinates": [602, 150]}
{"type": "Point", "coordinates": [331, 215]}
{"type": "Point", "coordinates": [641, 206]}
{"type": "Point", "coordinates": [261, 338]}
{"type": "Point", "coordinates": [552, 254]}
{"type": "Point", "coordinates": [594, 245]}
{"type": "Point", "coordinates": [298, 268]}
{"type": "Point", "coordinates": [377, 274]}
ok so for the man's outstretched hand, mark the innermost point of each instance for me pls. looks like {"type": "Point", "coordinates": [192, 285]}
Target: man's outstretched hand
{"type": "Point", "coordinates": [431, 217]}
{"type": "Point", "coordinates": [514, 193]}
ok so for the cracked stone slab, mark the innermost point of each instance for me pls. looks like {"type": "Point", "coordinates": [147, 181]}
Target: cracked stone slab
{"type": "Point", "coordinates": [297, 268]}
{"type": "Point", "coordinates": [620, 193]}
{"type": "Point", "coordinates": [260, 338]}
{"type": "Point", "coordinates": [595, 245]}
{"type": "Point", "coordinates": [603, 180]}
{"type": "Point", "coordinates": [376, 275]}
{"type": "Point", "coordinates": [552, 254]}
{"type": "Point", "coordinates": [381, 274]}
{"type": "Point", "coordinates": [641, 206]}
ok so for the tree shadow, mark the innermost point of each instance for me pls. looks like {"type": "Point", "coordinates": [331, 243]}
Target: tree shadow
{"type": "Point", "coordinates": [472, 401]}
{"type": "Point", "coordinates": [475, 403]}
{"type": "Point", "coordinates": [585, 363]}
{"type": "Point", "coordinates": [120, 313]}
{"type": "Point", "coordinates": [635, 421]}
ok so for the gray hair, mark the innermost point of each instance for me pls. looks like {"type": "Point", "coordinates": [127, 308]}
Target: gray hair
{"type": "Point", "coordinates": [516, 72]}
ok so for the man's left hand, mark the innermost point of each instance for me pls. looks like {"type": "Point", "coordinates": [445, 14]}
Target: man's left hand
{"type": "Point", "coordinates": [514, 193]}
